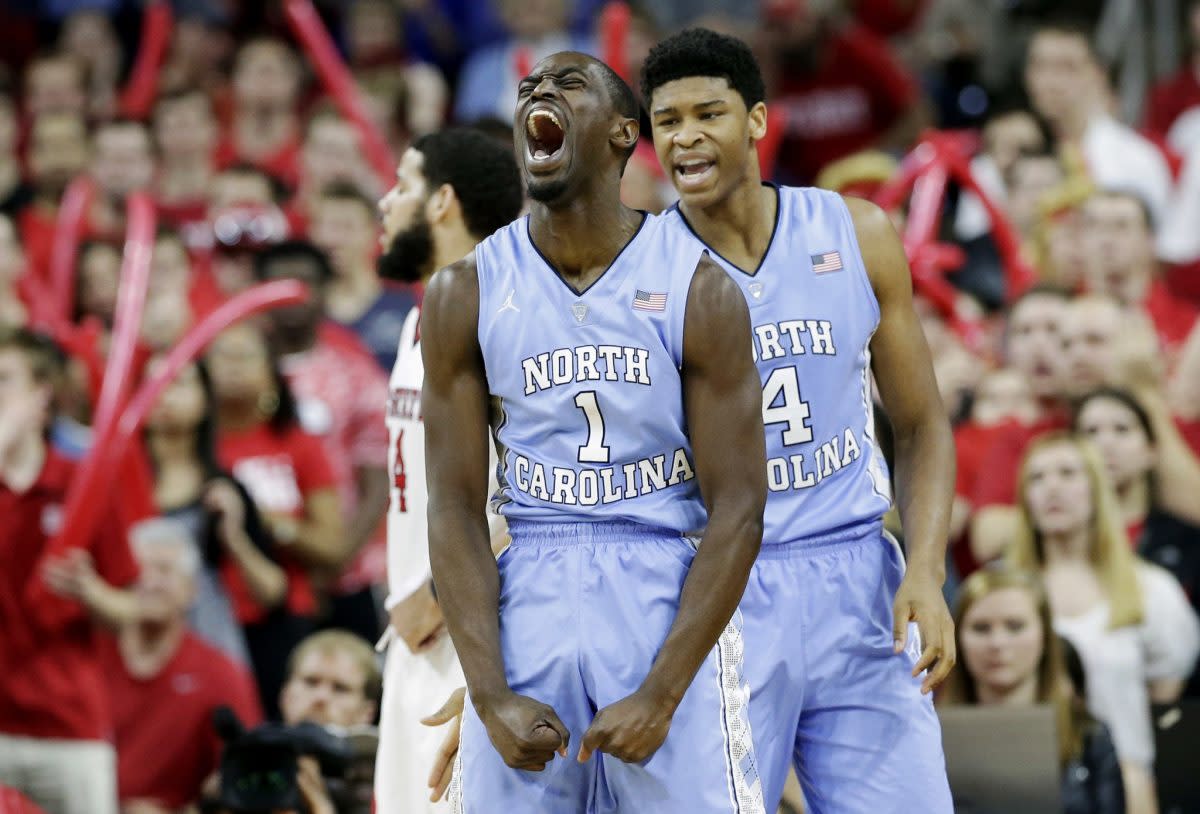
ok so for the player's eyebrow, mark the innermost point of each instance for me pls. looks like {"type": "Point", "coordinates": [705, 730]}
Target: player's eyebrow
{"type": "Point", "coordinates": [562, 73]}
{"type": "Point", "coordinates": [697, 106]}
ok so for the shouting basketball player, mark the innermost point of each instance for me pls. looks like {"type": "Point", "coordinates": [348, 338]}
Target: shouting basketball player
{"type": "Point", "coordinates": [616, 360]}
{"type": "Point", "coordinates": [833, 666]}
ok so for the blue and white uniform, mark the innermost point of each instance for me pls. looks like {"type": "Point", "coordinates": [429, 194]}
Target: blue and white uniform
{"type": "Point", "coordinates": [827, 690]}
{"type": "Point", "coordinates": [599, 488]}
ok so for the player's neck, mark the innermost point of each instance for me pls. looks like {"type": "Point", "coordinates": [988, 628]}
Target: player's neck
{"type": "Point", "coordinates": [1023, 694]}
{"type": "Point", "coordinates": [579, 238]}
{"type": "Point", "coordinates": [451, 243]}
{"type": "Point", "coordinates": [738, 227]}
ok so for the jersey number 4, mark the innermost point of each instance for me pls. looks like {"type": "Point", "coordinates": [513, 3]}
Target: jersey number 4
{"type": "Point", "coordinates": [782, 405]}
{"type": "Point", "coordinates": [399, 478]}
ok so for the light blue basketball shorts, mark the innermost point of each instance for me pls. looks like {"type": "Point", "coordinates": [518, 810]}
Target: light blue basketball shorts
{"type": "Point", "coordinates": [584, 609]}
{"type": "Point", "coordinates": [828, 693]}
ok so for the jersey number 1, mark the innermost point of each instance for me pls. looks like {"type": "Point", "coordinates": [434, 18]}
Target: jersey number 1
{"type": "Point", "coordinates": [594, 451]}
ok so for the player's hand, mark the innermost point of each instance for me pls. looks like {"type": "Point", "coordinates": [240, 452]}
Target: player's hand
{"type": "Point", "coordinates": [920, 600]}
{"type": "Point", "coordinates": [630, 730]}
{"type": "Point", "coordinates": [417, 619]}
{"type": "Point", "coordinates": [526, 733]}
{"type": "Point", "coordinates": [443, 762]}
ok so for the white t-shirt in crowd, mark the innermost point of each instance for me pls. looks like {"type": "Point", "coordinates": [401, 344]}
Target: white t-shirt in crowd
{"type": "Point", "coordinates": [1179, 239]}
{"type": "Point", "coordinates": [1119, 663]}
{"type": "Point", "coordinates": [1119, 158]}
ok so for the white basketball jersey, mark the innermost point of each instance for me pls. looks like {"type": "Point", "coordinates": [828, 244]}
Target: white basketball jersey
{"type": "Point", "coordinates": [408, 527]}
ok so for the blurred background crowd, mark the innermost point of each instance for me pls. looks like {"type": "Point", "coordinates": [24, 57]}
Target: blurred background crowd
{"type": "Point", "coordinates": [264, 467]}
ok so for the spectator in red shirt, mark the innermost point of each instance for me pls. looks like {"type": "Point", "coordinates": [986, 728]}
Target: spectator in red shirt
{"type": "Point", "coordinates": [122, 163]}
{"type": "Point", "coordinates": [1119, 232]}
{"type": "Point", "coordinates": [332, 154]}
{"type": "Point", "coordinates": [346, 228]}
{"type": "Point", "coordinates": [55, 723]}
{"type": "Point", "coordinates": [1173, 109]}
{"type": "Point", "coordinates": [840, 89]}
{"type": "Point", "coordinates": [58, 151]}
{"type": "Point", "coordinates": [54, 83]}
{"type": "Point", "coordinates": [341, 395]}
{"type": "Point", "coordinates": [164, 682]}
{"type": "Point", "coordinates": [185, 133]}
{"type": "Point", "coordinates": [288, 474]}
{"type": "Point", "coordinates": [265, 130]}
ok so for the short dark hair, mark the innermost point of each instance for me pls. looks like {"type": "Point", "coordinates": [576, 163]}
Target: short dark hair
{"type": "Point", "coordinates": [701, 52]}
{"type": "Point", "coordinates": [46, 359]}
{"type": "Point", "coordinates": [1122, 397]}
{"type": "Point", "coordinates": [1071, 25]}
{"type": "Point", "coordinates": [290, 250]}
{"type": "Point", "coordinates": [482, 172]}
{"type": "Point", "coordinates": [347, 191]}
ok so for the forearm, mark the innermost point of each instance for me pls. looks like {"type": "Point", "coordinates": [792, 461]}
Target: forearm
{"type": "Point", "coordinates": [925, 492]}
{"type": "Point", "coordinates": [468, 590]}
{"type": "Point", "coordinates": [714, 586]}
{"type": "Point", "coordinates": [1177, 472]}
{"type": "Point", "coordinates": [112, 607]}
{"type": "Point", "coordinates": [266, 581]}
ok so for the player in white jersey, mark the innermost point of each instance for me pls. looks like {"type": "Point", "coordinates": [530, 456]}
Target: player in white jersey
{"type": "Point", "coordinates": [453, 188]}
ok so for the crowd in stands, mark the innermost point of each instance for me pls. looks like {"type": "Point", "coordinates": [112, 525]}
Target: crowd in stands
{"type": "Point", "coordinates": [249, 515]}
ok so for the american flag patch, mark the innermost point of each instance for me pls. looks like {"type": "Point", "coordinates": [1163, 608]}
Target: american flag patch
{"type": "Point", "coordinates": [649, 301]}
{"type": "Point", "coordinates": [827, 261]}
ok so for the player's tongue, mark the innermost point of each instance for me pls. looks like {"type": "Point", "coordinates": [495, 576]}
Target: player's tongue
{"type": "Point", "coordinates": [545, 134]}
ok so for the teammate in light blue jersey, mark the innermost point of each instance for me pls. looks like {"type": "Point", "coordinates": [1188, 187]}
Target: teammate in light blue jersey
{"type": "Point", "coordinates": [832, 665]}
{"type": "Point", "coordinates": [615, 358]}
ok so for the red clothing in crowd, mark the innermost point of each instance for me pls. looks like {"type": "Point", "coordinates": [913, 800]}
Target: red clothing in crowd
{"type": "Point", "coordinates": [856, 94]}
{"type": "Point", "coordinates": [51, 683]}
{"type": "Point", "coordinates": [279, 469]}
{"type": "Point", "coordinates": [283, 164]}
{"type": "Point", "coordinates": [1173, 317]}
{"type": "Point", "coordinates": [14, 802]}
{"type": "Point", "coordinates": [166, 744]}
{"type": "Point", "coordinates": [1000, 464]}
{"type": "Point", "coordinates": [1170, 99]}
{"type": "Point", "coordinates": [341, 395]}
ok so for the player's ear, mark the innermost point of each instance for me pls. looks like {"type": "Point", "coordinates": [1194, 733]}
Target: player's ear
{"type": "Point", "coordinates": [441, 203]}
{"type": "Point", "coordinates": [624, 134]}
{"type": "Point", "coordinates": [758, 121]}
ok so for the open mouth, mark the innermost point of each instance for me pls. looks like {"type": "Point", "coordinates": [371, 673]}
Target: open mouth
{"type": "Point", "coordinates": [692, 172]}
{"type": "Point", "coordinates": [545, 135]}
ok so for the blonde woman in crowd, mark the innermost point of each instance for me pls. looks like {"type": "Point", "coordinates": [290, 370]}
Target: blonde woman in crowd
{"type": "Point", "coordinates": [1130, 621]}
{"type": "Point", "coordinates": [1010, 656]}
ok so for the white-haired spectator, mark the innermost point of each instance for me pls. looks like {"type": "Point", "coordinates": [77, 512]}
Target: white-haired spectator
{"type": "Point", "coordinates": [164, 682]}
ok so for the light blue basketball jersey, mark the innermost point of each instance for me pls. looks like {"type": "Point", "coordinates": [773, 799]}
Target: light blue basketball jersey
{"type": "Point", "coordinates": [587, 400]}
{"type": "Point", "coordinates": [813, 312]}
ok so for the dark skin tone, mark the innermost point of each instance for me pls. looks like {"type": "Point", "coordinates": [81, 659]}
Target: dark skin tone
{"type": "Point", "coordinates": [704, 119]}
{"type": "Point", "coordinates": [581, 229]}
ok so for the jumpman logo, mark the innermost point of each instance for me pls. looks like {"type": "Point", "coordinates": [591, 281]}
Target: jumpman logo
{"type": "Point", "coordinates": [507, 305]}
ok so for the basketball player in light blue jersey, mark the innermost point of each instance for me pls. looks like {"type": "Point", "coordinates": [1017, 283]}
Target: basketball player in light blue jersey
{"type": "Point", "coordinates": [833, 667]}
{"type": "Point", "coordinates": [615, 358]}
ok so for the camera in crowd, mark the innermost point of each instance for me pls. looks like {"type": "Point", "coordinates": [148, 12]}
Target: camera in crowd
{"type": "Point", "coordinates": [259, 767]}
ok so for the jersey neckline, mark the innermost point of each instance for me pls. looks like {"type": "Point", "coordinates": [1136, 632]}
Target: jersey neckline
{"type": "Point", "coordinates": [550, 266]}
{"type": "Point", "coordinates": [770, 242]}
